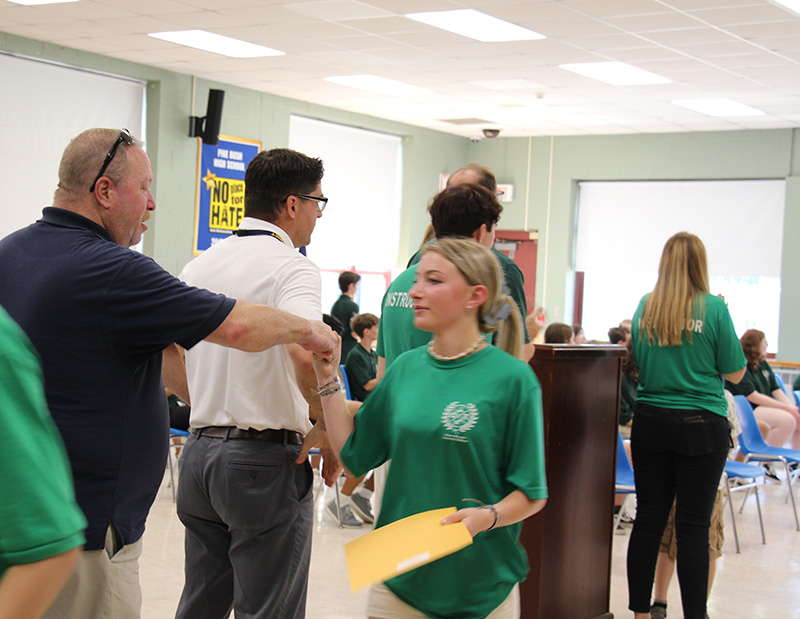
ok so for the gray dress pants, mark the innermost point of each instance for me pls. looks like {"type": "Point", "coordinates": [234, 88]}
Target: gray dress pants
{"type": "Point", "coordinates": [248, 511]}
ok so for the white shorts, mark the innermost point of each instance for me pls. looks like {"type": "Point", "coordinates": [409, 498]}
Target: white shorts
{"type": "Point", "coordinates": [383, 604]}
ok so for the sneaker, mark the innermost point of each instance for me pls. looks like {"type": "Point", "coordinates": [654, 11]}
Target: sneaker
{"type": "Point", "coordinates": [362, 506]}
{"type": "Point", "coordinates": [620, 530]}
{"type": "Point", "coordinates": [658, 611]}
{"type": "Point", "coordinates": [626, 520]}
{"type": "Point", "coordinates": [771, 473]}
{"type": "Point", "coordinates": [348, 519]}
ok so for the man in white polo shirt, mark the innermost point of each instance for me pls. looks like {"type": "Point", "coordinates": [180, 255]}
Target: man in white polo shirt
{"type": "Point", "coordinates": [245, 492]}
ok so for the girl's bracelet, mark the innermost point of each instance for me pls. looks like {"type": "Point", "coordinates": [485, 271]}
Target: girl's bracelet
{"type": "Point", "coordinates": [496, 512]}
{"type": "Point", "coordinates": [332, 386]}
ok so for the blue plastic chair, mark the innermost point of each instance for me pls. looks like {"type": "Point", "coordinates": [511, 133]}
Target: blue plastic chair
{"type": "Point", "coordinates": [752, 445]}
{"type": "Point", "coordinates": [779, 380]}
{"type": "Point", "coordinates": [742, 471]}
{"type": "Point", "coordinates": [797, 398]}
{"type": "Point", "coordinates": [345, 382]}
{"type": "Point", "coordinates": [623, 483]}
{"type": "Point", "coordinates": [173, 434]}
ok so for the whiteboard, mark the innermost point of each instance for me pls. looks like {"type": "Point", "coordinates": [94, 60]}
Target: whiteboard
{"type": "Point", "coordinates": [43, 107]}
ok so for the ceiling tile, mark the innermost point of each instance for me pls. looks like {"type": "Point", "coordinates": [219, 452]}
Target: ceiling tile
{"type": "Point", "coordinates": [788, 27]}
{"type": "Point", "coordinates": [747, 14]}
{"type": "Point", "coordinates": [202, 20]}
{"type": "Point", "coordinates": [654, 22]}
{"type": "Point", "coordinates": [336, 10]}
{"type": "Point", "coordinates": [615, 8]}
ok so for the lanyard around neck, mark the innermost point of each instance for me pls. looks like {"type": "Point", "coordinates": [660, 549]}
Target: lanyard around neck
{"type": "Point", "coordinates": [256, 232]}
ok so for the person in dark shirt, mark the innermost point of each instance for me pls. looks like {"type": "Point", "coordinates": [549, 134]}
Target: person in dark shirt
{"type": "Point", "coordinates": [345, 308]}
{"type": "Point", "coordinates": [362, 362]}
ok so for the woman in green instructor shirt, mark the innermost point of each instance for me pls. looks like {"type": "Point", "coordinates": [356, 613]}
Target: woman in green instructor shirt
{"type": "Point", "coordinates": [684, 343]}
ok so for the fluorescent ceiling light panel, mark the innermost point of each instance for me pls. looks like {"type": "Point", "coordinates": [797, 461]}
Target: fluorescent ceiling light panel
{"type": "Point", "coordinates": [40, 2]}
{"type": "Point", "coordinates": [718, 107]}
{"type": "Point", "coordinates": [792, 5]}
{"type": "Point", "coordinates": [377, 84]}
{"type": "Point", "coordinates": [216, 43]}
{"type": "Point", "coordinates": [616, 73]}
{"type": "Point", "coordinates": [475, 25]}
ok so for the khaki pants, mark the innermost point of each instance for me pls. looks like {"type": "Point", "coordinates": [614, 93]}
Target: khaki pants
{"type": "Point", "coordinates": [383, 604]}
{"type": "Point", "coordinates": [104, 585]}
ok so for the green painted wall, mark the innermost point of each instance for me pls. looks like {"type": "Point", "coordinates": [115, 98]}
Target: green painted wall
{"type": "Point", "coordinates": [543, 170]}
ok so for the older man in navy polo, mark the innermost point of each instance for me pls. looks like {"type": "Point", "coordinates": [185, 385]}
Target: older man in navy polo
{"type": "Point", "coordinates": [100, 316]}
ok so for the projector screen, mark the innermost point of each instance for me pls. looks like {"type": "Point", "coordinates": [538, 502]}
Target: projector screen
{"type": "Point", "coordinates": [622, 228]}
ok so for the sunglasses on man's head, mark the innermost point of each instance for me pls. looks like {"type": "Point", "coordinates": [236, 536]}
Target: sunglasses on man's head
{"type": "Point", "coordinates": [124, 136]}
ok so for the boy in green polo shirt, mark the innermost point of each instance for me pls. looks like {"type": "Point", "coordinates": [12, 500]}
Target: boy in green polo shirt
{"type": "Point", "coordinates": [362, 361]}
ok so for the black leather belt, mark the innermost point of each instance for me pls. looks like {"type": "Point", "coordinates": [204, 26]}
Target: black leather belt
{"type": "Point", "coordinates": [289, 437]}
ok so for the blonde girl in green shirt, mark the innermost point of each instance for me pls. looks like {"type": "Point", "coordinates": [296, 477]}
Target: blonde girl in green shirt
{"type": "Point", "coordinates": [461, 422]}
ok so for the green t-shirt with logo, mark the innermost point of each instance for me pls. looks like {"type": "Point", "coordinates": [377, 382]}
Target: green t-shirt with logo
{"type": "Point", "coordinates": [762, 379]}
{"type": "Point", "coordinates": [689, 376]}
{"type": "Point", "coordinates": [468, 428]}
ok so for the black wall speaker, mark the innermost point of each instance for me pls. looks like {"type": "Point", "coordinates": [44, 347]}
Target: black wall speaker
{"type": "Point", "coordinates": [207, 127]}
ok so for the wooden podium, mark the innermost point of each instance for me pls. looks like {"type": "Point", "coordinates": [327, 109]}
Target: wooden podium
{"type": "Point", "coordinates": [569, 542]}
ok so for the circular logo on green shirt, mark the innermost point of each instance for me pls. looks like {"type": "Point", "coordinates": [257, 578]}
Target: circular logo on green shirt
{"type": "Point", "coordinates": [458, 417]}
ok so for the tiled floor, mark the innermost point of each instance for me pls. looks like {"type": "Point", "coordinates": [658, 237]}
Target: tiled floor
{"type": "Point", "coordinates": [761, 582]}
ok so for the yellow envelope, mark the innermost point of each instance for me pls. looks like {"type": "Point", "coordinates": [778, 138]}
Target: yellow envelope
{"type": "Point", "coordinates": [402, 546]}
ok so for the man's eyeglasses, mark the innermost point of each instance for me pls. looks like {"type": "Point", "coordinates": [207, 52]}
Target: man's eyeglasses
{"type": "Point", "coordinates": [124, 136]}
{"type": "Point", "coordinates": [321, 201]}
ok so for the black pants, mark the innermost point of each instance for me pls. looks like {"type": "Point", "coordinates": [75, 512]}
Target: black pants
{"type": "Point", "coordinates": [677, 455]}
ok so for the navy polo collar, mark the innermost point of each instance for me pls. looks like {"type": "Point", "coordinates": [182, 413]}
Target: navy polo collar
{"type": "Point", "coordinates": [68, 219]}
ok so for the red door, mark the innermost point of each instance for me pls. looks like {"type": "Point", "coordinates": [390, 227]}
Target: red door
{"type": "Point", "coordinates": [521, 247]}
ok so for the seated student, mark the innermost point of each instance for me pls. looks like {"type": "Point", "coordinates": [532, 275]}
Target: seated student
{"type": "Point", "coordinates": [580, 336]}
{"type": "Point", "coordinates": [618, 335]}
{"type": "Point", "coordinates": [559, 333]}
{"type": "Point", "coordinates": [362, 362]}
{"type": "Point", "coordinates": [41, 525]}
{"type": "Point", "coordinates": [770, 404]}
